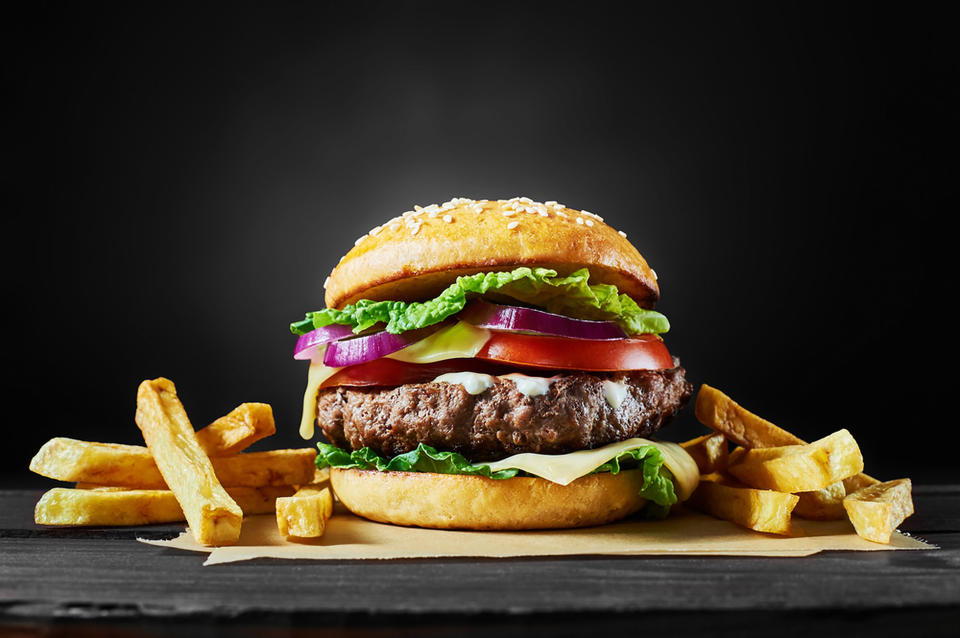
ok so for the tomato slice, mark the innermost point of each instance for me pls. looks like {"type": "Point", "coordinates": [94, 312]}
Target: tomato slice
{"type": "Point", "coordinates": [646, 352]}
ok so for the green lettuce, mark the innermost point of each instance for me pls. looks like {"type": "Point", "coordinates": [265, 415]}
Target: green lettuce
{"type": "Point", "coordinates": [572, 295]}
{"type": "Point", "coordinates": [657, 480]}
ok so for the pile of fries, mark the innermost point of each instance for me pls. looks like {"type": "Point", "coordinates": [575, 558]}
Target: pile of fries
{"type": "Point", "coordinates": [199, 477]}
{"type": "Point", "coordinates": [773, 475]}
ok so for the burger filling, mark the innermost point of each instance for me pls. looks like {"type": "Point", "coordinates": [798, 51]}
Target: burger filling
{"type": "Point", "coordinates": [523, 368]}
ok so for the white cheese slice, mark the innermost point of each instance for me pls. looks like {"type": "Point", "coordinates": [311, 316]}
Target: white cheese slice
{"type": "Point", "coordinates": [566, 468]}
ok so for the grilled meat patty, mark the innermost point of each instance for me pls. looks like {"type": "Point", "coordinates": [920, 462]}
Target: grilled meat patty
{"type": "Point", "coordinates": [577, 412]}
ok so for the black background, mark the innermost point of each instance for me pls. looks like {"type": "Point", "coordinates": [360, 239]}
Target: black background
{"type": "Point", "coordinates": [179, 180]}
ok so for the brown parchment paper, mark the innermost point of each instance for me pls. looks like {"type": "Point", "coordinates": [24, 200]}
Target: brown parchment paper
{"type": "Point", "coordinates": [683, 533]}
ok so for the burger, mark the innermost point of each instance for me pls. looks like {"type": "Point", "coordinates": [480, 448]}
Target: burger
{"type": "Point", "coordinates": [494, 364]}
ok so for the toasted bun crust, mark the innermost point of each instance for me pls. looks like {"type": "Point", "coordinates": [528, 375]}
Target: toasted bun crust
{"type": "Point", "coordinates": [456, 501]}
{"type": "Point", "coordinates": [415, 256]}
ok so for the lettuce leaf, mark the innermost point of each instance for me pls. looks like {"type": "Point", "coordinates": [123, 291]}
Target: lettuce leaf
{"type": "Point", "coordinates": [572, 295]}
{"type": "Point", "coordinates": [657, 480]}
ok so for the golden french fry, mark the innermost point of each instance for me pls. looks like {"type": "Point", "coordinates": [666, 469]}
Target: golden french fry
{"type": "Point", "coordinates": [720, 413]}
{"type": "Point", "coordinates": [858, 482]}
{"type": "Point", "coordinates": [236, 431]}
{"type": "Point", "coordinates": [759, 510]}
{"type": "Point", "coordinates": [321, 475]}
{"type": "Point", "coordinates": [710, 452]}
{"type": "Point", "coordinates": [259, 500]}
{"type": "Point", "coordinates": [822, 505]}
{"type": "Point", "coordinates": [800, 468]}
{"type": "Point", "coordinates": [133, 466]}
{"type": "Point", "coordinates": [91, 504]}
{"type": "Point", "coordinates": [877, 510]}
{"type": "Point", "coordinates": [213, 516]}
{"type": "Point", "coordinates": [65, 506]}
{"type": "Point", "coordinates": [305, 514]}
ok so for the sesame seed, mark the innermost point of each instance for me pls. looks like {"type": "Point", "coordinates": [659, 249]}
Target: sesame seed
{"type": "Point", "coordinates": [653, 272]}
{"type": "Point", "coordinates": [415, 229]}
{"type": "Point", "coordinates": [408, 213]}
{"type": "Point", "coordinates": [326, 282]}
{"type": "Point", "coordinates": [561, 213]}
{"type": "Point", "coordinates": [359, 239]}
{"type": "Point", "coordinates": [589, 222]}
{"type": "Point", "coordinates": [448, 219]}
{"type": "Point", "coordinates": [580, 220]}
{"type": "Point", "coordinates": [417, 207]}
{"type": "Point", "coordinates": [621, 233]}
{"type": "Point", "coordinates": [551, 203]}
{"type": "Point", "coordinates": [512, 225]}
{"type": "Point", "coordinates": [507, 212]}
{"type": "Point", "coordinates": [394, 226]}
{"type": "Point", "coordinates": [375, 231]}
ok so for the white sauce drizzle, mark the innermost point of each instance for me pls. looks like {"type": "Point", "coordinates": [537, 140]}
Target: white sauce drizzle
{"type": "Point", "coordinates": [472, 382]}
{"type": "Point", "coordinates": [530, 386]}
{"type": "Point", "coordinates": [614, 393]}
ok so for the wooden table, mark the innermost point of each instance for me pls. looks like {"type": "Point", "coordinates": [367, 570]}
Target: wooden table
{"type": "Point", "coordinates": [95, 581]}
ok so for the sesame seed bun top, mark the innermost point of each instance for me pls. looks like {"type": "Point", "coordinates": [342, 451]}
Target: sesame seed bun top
{"type": "Point", "coordinates": [417, 255]}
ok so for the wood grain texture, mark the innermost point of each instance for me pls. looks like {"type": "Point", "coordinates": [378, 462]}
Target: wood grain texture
{"type": "Point", "coordinates": [104, 572]}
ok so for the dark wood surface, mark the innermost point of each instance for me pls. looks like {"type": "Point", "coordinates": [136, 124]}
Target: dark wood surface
{"type": "Point", "coordinates": [49, 577]}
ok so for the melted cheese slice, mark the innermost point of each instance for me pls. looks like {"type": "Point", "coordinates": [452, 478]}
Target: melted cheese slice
{"type": "Point", "coordinates": [317, 375]}
{"type": "Point", "coordinates": [459, 341]}
{"type": "Point", "coordinates": [566, 468]}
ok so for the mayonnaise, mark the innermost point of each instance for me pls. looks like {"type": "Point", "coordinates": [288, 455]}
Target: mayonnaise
{"type": "Point", "coordinates": [472, 382]}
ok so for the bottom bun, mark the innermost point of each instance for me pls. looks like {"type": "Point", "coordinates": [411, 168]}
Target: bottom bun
{"type": "Point", "coordinates": [458, 501]}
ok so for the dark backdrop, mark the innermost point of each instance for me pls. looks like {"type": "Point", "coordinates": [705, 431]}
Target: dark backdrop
{"type": "Point", "coordinates": [180, 179]}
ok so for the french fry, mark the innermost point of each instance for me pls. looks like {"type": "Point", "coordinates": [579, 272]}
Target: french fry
{"type": "Point", "coordinates": [259, 500]}
{"type": "Point", "coordinates": [720, 413]}
{"type": "Point", "coordinates": [759, 510]}
{"type": "Point", "coordinates": [133, 466]}
{"type": "Point", "coordinates": [877, 510]}
{"type": "Point", "coordinates": [107, 505]}
{"type": "Point", "coordinates": [858, 482]}
{"type": "Point", "coordinates": [213, 516]}
{"type": "Point", "coordinates": [236, 431]}
{"type": "Point", "coordinates": [321, 475]}
{"type": "Point", "coordinates": [800, 468]}
{"type": "Point", "coordinates": [65, 506]}
{"type": "Point", "coordinates": [305, 514]}
{"type": "Point", "coordinates": [710, 452]}
{"type": "Point", "coordinates": [822, 505]}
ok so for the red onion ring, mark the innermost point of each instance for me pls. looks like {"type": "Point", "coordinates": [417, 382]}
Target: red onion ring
{"type": "Point", "coordinates": [308, 344]}
{"type": "Point", "coordinates": [351, 352]}
{"type": "Point", "coordinates": [515, 319]}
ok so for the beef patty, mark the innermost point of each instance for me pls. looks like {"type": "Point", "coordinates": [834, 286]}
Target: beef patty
{"type": "Point", "coordinates": [574, 414]}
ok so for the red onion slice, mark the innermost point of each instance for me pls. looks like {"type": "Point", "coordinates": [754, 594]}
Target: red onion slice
{"type": "Point", "coordinates": [515, 319]}
{"type": "Point", "coordinates": [350, 352]}
{"type": "Point", "coordinates": [308, 344]}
